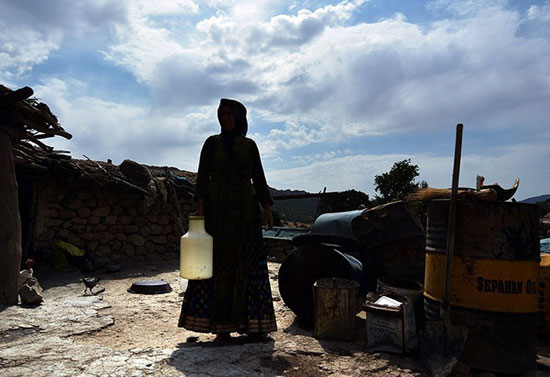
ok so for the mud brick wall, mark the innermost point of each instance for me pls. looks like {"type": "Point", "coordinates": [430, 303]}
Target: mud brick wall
{"type": "Point", "coordinates": [111, 223]}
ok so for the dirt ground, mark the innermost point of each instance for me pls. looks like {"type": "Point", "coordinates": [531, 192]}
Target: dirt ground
{"type": "Point", "coordinates": [147, 325]}
{"type": "Point", "coordinates": [151, 320]}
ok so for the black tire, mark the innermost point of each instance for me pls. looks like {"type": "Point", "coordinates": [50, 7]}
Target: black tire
{"type": "Point", "coordinates": [318, 238]}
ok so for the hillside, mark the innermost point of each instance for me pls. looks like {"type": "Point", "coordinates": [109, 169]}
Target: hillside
{"type": "Point", "coordinates": [536, 199]}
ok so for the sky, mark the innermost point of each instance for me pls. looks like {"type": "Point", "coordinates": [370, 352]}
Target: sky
{"type": "Point", "coordinates": [336, 91]}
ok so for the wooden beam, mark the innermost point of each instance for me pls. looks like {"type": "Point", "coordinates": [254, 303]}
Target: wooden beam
{"type": "Point", "coordinates": [38, 142]}
{"type": "Point", "coordinates": [15, 96]}
{"type": "Point", "coordinates": [10, 224]}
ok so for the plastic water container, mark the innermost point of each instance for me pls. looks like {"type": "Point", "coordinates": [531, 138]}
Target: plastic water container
{"type": "Point", "coordinates": [196, 251]}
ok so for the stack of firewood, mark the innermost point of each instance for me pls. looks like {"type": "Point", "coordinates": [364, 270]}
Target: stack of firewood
{"type": "Point", "coordinates": [26, 119]}
{"type": "Point", "coordinates": [24, 122]}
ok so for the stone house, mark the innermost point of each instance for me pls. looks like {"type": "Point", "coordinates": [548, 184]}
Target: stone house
{"type": "Point", "coordinates": [113, 213]}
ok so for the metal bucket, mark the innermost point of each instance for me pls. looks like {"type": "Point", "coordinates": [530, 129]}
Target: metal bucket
{"type": "Point", "coordinates": [307, 264]}
{"type": "Point", "coordinates": [494, 289]}
{"type": "Point", "coordinates": [336, 302]}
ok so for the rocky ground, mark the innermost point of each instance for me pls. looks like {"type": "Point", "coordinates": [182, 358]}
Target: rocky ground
{"type": "Point", "coordinates": [116, 333]}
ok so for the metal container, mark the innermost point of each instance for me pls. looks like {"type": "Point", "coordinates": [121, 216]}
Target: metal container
{"type": "Point", "coordinates": [390, 324]}
{"type": "Point", "coordinates": [494, 290]}
{"type": "Point", "coordinates": [336, 302]}
{"type": "Point", "coordinates": [150, 287]}
{"type": "Point", "coordinates": [337, 223]}
{"type": "Point", "coordinates": [307, 264]}
{"type": "Point", "coordinates": [410, 289]}
{"type": "Point", "coordinates": [392, 243]}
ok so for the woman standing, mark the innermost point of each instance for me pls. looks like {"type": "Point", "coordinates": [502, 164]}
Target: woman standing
{"type": "Point", "coordinates": [230, 183]}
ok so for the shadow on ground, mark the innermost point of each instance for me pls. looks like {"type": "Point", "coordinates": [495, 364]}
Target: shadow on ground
{"type": "Point", "coordinates": [240, 355]}
{"type": "Point", "coordinates": [50, 278]}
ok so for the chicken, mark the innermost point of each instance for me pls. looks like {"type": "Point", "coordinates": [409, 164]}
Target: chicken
{"type": "Point", "coordinates": [502, 194]}
{"type": "Point", "coordinates": [90, 283]}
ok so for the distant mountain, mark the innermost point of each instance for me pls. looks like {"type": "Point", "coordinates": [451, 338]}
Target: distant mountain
{"type": "Point", "coordinates": [298, 210]}
{"type": "Point", "coordinates": [536, 199]}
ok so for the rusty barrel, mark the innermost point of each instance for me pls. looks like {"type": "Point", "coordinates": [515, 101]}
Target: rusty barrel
{"type": "Point", "coordinates": [494, 289]}
{"type": "Point", "coordinates": [543, 320]}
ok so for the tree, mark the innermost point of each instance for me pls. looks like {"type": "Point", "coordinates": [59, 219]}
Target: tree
{"type": "Point", "coordinates": [397, 183]}
{"type": "Point", "coordinates": [343, 201]}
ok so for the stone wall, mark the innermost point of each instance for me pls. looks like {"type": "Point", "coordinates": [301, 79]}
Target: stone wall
{"type": "Point", "coordinates": [111, 223]}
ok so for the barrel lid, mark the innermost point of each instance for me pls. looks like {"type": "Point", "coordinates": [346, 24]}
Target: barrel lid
{"type": "Point", "coordinates": [150, 287]}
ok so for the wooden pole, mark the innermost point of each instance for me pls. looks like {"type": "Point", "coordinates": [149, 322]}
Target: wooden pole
{"type": "Point", "coordinates": [10, 223]}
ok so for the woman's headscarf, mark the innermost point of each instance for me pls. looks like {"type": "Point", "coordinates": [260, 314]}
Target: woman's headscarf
{"type": "Point", "coordinates": [241, 124]}
{"type": "Point", "coordinates": [239, 112]}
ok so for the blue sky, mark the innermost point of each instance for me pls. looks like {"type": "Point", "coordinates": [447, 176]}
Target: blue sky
{"type": "Point", "coordinates": [337, 91]}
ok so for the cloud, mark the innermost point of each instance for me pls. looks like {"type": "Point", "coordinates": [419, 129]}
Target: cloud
{"type": "Point", "coordinates": [165, 7]}
{"type": "Point", "coordinates": [311, 77]}
{"type": "Point", "coordinates": [337, 80]}
{"type": "Point", "coordinates": [103, 129]}
{"type": "Point", "coordinates": [393, 77]}
{"type": "Point", "coordinates": [21, 49]}
{"type": "Point", "coordinates": [541, 13]}
{"type": "Point", "coordinates": [232, 57]}
{"type": "Point", "coordinates": [181, 84]}
{"type": "Point", "coordinates": [537, 22]}
{"type": "Point", "coordinates": [31, 30]}
{"type": "Point", "coordinates": [75, 17]}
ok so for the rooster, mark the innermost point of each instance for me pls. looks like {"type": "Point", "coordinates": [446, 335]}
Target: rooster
{"type": "Point", "coordinates": [90, 283]}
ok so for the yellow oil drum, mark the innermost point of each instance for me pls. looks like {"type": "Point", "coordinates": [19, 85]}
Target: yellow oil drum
{"type": "Point", "coordinates": [543, 319]}
{"type": "Point", "coordinates": [494, 280]}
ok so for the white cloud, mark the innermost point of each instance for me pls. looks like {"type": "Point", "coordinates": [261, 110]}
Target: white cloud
{"type": "Point", "coordinates": [31, 30]}
{"type": "Point", "coordinates": [103, 129]}
{"type": "Point", "coordinates": [238, 58]}
{"type": "Point", "coordinates": [537, 12]}
{"type": "Point", "coordinates": [244, 10]}
{"type": "Point", "coordinates": [165, 7]}
{"type": "Point", "coordinates": [537, 22]}
{"type": "Point", "coordinates": [308, 76]}
{"type": "Point", "coordinates": [21, 49]}
{"type": "Point", "coordinates": [327, 80]}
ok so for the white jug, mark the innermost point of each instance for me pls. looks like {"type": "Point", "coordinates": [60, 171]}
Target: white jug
{"type": "Point", "coordinates": [196, 251]}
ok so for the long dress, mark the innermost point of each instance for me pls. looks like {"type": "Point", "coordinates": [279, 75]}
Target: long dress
{"type": "Point", "coordinates": [238, 296]}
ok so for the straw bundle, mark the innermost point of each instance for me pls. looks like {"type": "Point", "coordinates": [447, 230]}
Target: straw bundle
{"type": "Point", "coordinates": [428, 193]}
